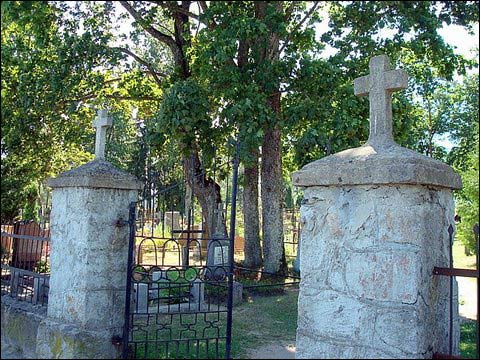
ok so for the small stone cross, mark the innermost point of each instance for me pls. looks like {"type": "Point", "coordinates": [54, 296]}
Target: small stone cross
{"type": "Point", "coordinates": [101, 122]}
{"type": "Point", "coordinates": [380, 85]}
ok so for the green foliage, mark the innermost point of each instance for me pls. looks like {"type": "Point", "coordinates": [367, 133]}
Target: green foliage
{"type": "Point", "coordinates": [43, 121]}
{"type": "Point", "coordinates": [408, 33]}
{"type": "Point", "coordinates": [42, 267]}
{"type": "Point", "coordinates": [356, 26]}
{"type": "Point", "coordinates": [236, 60]}
{"type": "Point", "coordinates": [58, 63]}
{"type": "Point", "coordinates": [464, 121]}
{"type": "Point", "coordinates": [185, 113]}
{"type": "Point", "coordinates": [57, 68]}
{"type": "Point", "coordinates": [464, 131]}
{"type": "Point", "coordinates": [468, 203]}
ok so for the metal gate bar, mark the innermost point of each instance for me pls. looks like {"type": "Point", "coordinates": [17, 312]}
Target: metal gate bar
{"type": "Point", "coordinates": [451, 272]}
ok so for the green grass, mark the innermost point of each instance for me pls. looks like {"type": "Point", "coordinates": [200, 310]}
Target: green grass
{"type": "Point", "coordinates": [192, 329]}
{"type": "Point", "coordinates": [259, 319]}
{"type": "Point", "coordinates": [468, 330]}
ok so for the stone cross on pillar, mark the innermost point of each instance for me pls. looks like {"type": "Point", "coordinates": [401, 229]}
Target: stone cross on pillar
{"type": "Point", "coordinates": [380, 85]}
{"type": "Point", "coordinates": [101, 122]}
{"type": "Point", "coordinates": [374, 225]}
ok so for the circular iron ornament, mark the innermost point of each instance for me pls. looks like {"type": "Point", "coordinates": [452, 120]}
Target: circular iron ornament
{"type": "Point", "coordinates": [139, 273]}
{"type": "Point", "coordinates": [220, 273]}
{"type": "Point", "coordinates": [191, 274]}
{"type": "Point", "coordinates": [173, 274]}
{"type": "Point", "coordinates": [154, 269]}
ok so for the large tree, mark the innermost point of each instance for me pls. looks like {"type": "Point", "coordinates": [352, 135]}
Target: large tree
{"type": "Point", "coordinates": [185, 111]}
{"type": "Point", "coordinates": [248, 55]}
{"type": "Point", "coordinates": [215, 68]}
{"type": "Point", "coordinates": [43, 126]}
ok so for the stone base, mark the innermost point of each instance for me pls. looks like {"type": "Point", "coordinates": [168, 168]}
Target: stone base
{"type": "Point", "coordinates": [20, 321]}
{"type": "Point", "coordinates": [367, 288]}
{"type": "Point", "coordinates": [66, 341]}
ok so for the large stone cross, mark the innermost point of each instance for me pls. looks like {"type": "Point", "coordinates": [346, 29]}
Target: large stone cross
{"type": "Point", "coordinates": [380, 85]}
{"type": "Point", "coordinates": [101, 122]}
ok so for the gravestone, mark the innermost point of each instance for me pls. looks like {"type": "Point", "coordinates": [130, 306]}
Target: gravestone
{"type": "Point", "coordinates": [159, 278]}
{"type": "Point", "coordinates": [173, 219]}
{"type": "Point", "coordinates": [197, 295]}
{"type": "Point", "coordinates": [374, 224]}
{"type": "Point", "coordinates": [217, 257]}
{"type": "Point", "coordinates": [218, 248]}
{"type": "Point", "coordinates": [237, 293]}
{"type": "Point", "coordinates": [140, 297]}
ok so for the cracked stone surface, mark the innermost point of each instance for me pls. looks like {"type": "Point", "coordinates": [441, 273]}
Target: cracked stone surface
{"type": "Point", "coordinates": [96, 174]}
{"type": "Point", "coordinates": [367, 255]}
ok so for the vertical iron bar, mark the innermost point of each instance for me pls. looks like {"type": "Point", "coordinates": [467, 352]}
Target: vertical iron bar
{"type": "Point", "coordinates": [477, 247]}
{"type": "Point", "coordinates": [230, 254]}
{"type": "Point", "coordinates": [226, 191]}
{"type": "Point", "coordinates": [450, 337]}
{"type": "Point", "coordinates": [128, 288]}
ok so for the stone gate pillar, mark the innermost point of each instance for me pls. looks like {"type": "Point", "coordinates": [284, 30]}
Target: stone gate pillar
{"type": "Point", "coordinates": [374, 225]}
{"type": "Point", "coordinates": [86, 300]}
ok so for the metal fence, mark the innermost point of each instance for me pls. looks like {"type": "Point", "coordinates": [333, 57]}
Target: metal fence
{"type": "Point", "coordinates": [25, 261]}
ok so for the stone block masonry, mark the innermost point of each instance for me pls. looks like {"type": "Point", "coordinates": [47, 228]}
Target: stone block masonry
{"type": "Point", "coordinates": [367, 288]}
{"type": "Point", "coordinates": [20, 321]}
{"type": "Point", "coordinates": [374, 225]}
{"type": "Point", "coordinates": [88, 262]}
{"type": "Point", "coordinates": [88, 266]}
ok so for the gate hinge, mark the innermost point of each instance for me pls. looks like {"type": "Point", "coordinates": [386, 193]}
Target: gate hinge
{"type": "Point", "coordinates": [117, 340]}
{"type": "Point", "coordinates": [121, 223]}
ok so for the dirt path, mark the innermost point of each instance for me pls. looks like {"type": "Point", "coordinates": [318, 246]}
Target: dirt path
{"type": "Point", "coordinates": [273, 351]}
{"type": "Point", "coordinates": [467, 294]}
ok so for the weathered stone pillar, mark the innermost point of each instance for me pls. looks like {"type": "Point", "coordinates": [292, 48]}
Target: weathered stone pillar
{"type": "Point", "coordinates": [88, 258]}
{"type": "Point", "coordinates": [374, 225]}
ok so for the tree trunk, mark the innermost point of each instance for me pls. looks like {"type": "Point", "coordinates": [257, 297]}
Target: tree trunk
{"type": "Point", "coordinates": [272, 182]}
{"type": "Point", "coordinates": [272, 198]}
{"type": "Point", "coordinates": [207, 191]}
{"type": "Point", "coordinates": [252, 250]}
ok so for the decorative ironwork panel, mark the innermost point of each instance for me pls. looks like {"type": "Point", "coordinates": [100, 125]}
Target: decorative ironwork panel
{"type": "Point", "coordinates": [179, 286]}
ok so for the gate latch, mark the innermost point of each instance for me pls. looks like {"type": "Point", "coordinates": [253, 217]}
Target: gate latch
{"type": "Point", "coordinates": [121, 223]}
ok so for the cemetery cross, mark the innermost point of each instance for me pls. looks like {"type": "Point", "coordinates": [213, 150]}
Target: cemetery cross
{"type": "Point", "coordinates": [380, 85]}
{"type": "Point", "coordinates": [101, 122]}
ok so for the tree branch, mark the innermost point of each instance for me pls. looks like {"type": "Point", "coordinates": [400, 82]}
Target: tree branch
{"type": "Point", "coordinates": [203, 5]}
{"type": "Point", "coordinates": [307, 15]}
{"type": "Point", "coordinates": [171, 6]}
{"type": "Point", "coordinates": [289, 11]}
{"type": "Point", "coordinates": [157, 34]}
{"type": "Point", "coordinates": [148, 65]}
{"type": "Point", "coordinates": [174, 45]}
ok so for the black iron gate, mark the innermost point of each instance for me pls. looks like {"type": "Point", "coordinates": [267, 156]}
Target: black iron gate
{"type": "Point", "coordinates": [179, 284]}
